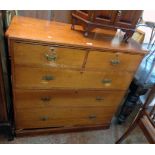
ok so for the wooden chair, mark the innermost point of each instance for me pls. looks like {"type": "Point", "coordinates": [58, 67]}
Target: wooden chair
{"type": "Point", "coordinates": [145, 119]}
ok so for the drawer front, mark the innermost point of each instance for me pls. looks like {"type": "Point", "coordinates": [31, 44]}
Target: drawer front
{"type": "Point", "coordinates": [27, 99]}
{"type": "Point", "coordinates": [33, 54]}
{"type": "Point", "coordinates": [62, 117]}
{"type": "Point", "coordinates": [47, 78]}
{"type": "Point", "coordinates": [113, 61]}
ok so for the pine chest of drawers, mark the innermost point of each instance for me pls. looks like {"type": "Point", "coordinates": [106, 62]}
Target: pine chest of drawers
{"type": "Point", "coordinates": [64, 81]}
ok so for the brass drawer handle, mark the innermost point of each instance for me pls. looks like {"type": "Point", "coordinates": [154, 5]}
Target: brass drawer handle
{"type": "Point", "coordinates": [115, 62]}
{"type": "Point", "coordinates": [92, 117]}
{"type": "Point", "coordinates": [46, 98]}
{"type": "Point", "coordinates": [106, 81]}
{"type": "Point", "coordinates": [99, 98]}
{"type": "Point", "coordinates": [51, 55]}
{"type": "Point", "coordinates": [44, 118]}
{"type": "Point", "coordinates": [48, 78]}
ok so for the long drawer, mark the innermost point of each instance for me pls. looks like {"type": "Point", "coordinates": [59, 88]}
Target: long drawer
{"type": "Point", "coordinates": [30, 99]}
{"type": "Point", "coordinates": [47, 78]}
{"type": "Point", "coordinates": [105, 61]}
{"type": "Point", "coordinates": [62, 117]}
{"type": "Point", "coordinates": [35, 54]}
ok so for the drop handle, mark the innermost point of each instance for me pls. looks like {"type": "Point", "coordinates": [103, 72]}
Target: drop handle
{"type": "Point", "coordinates": [48, 77]}
{"type": "Point", "coordinates": [99, 98]}
{"type": "Point", "coordinates": [46, 98]}
{"type": "Point", "coordinates": [51, 55]}
{"type": "Point", "coordinates": [92, 117]}
{"type": "Point", "coordinates": [106, 81]}
{"type": "Point", "coordinates": [115, 62]}
{"type": "Point", "coordinates": [44, 118]}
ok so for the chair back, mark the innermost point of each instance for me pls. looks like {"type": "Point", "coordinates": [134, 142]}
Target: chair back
{"type": "Point", "coordinates": [149, 106]}
{"type": "Point", "coordinates": [152, 114]}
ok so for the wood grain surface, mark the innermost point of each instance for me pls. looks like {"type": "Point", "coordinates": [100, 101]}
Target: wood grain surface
{"type": "Point", "coordinates": [37, 30]}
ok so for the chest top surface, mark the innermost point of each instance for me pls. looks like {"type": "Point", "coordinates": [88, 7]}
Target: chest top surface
{"type": "Point", "coordinates": [36, 30]}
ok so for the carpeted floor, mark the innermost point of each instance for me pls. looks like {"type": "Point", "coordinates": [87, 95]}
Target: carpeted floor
{"type": "Point", "coordinates": [108, 136]}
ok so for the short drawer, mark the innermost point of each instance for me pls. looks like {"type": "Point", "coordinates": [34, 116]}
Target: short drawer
{"type": "Point", "coordinates": [34, 54]}
{"type": "Point", "coordinates": [62, 117]}
{"type": "Point", "coordinates": [47, 78]}
{"type": "Point", "coordinates": [30, 99]}
{"type": "Point", "coordinates": [113, 61]}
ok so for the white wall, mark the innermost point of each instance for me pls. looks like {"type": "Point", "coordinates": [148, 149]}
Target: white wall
{"type": "Point", "coordinates": [148, 15]}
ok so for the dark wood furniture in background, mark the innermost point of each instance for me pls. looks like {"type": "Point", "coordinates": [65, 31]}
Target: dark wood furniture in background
{"type": "Point", "coordinates": [5, 122]}
{"type": "Point", "coordinates": [5, 94]}
{"type": "Point", "coordinates": [3, 108]}
{"type": "Point", "coordinates": [64, 81]}
{"type": "Point", "coordinates": [125, 20]}
{"type": "Point", "coordinates": [145, 119]}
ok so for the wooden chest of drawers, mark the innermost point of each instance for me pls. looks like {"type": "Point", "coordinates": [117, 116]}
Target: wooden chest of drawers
{"type": "Point", "coordinates": [63, 81]}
